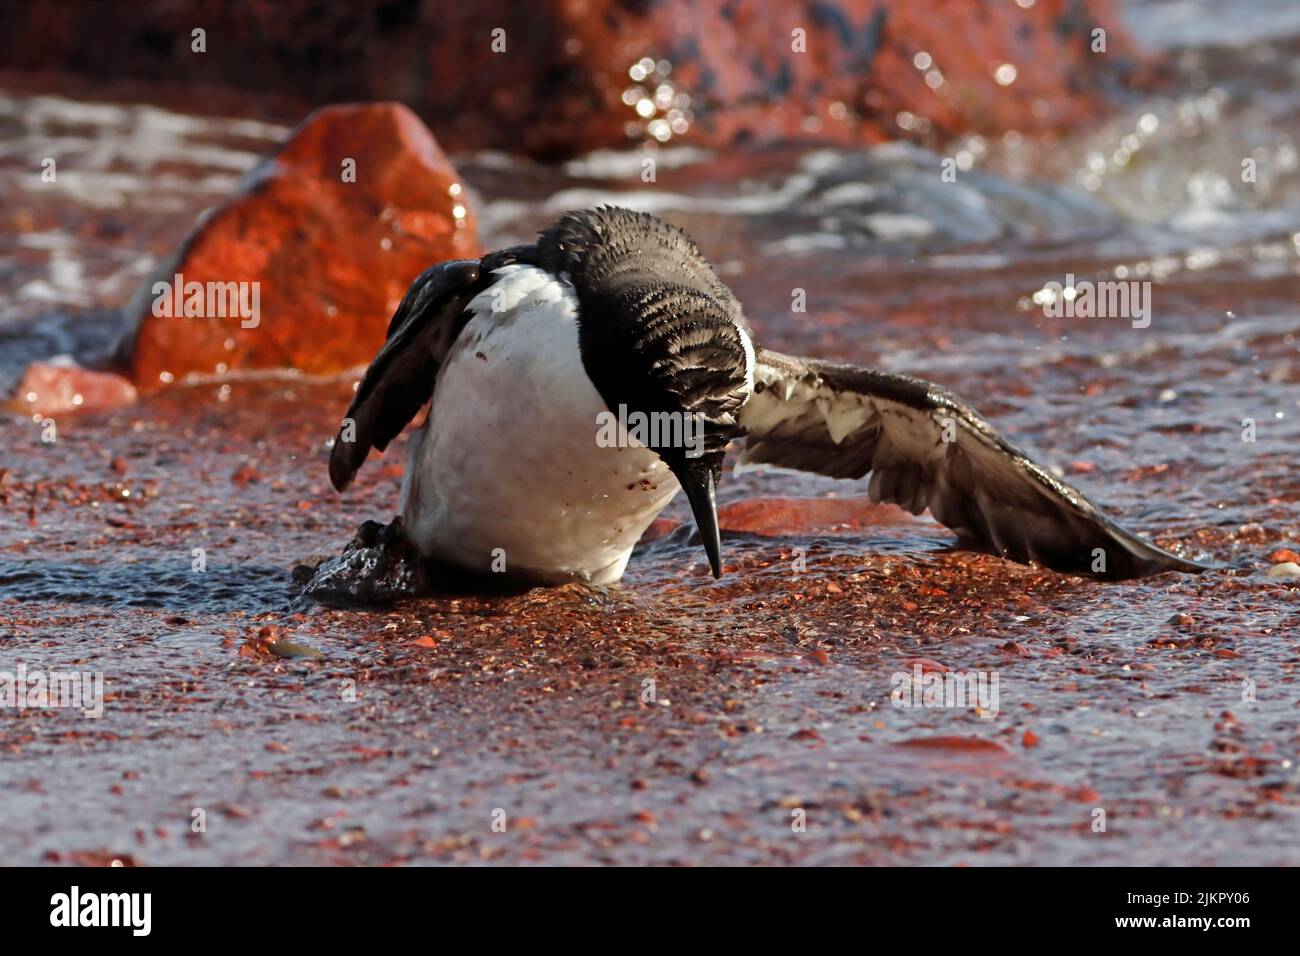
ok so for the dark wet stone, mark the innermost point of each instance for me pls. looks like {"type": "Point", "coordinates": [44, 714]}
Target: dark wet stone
{"type": "Point", "coordinates": [380, 565]}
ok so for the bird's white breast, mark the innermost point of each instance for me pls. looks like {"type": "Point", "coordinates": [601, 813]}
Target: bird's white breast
{"type": "Point", "coordinates": [507, 471]}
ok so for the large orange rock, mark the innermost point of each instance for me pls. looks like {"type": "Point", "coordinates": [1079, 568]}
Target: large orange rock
{"type": "Point", "coordinates": [304, 266]}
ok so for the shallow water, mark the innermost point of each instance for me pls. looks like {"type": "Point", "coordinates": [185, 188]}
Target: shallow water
{"type": "Point", "coordinates": [772, 686]}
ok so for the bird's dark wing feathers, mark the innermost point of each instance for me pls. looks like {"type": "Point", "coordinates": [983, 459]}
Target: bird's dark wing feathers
{"type": "Point", "coordinates": [926, 448]}
{"type": "Point", "coordinates": [402, 375]}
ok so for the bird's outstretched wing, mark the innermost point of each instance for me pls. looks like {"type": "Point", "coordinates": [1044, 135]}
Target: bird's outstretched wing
{"type": "Point", "coordinates": [402, 375]}
{"type": "Point", "coordinates": [926, 448]}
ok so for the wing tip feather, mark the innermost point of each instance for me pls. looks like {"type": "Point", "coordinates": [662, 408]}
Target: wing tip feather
{"type": "Point", "coordinates": [342, 468]}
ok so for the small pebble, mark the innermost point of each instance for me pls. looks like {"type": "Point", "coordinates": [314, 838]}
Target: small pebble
{"type": "Point", "coordinates": [1288, 569]}
{"type": "Point", "coordinates": [287, 649]}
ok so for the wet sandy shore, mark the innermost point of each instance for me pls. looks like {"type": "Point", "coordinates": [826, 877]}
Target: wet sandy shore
{"type": "Point", "coordinates": [771, 689]}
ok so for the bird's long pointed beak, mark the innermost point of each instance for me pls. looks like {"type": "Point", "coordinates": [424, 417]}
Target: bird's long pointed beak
{"type": "Point", "coordinates": [698, 485]}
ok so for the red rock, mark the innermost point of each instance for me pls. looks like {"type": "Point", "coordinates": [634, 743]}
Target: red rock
{"type": "Point", "coordinates": [927, 666]}
{"type": "Point", "coordinates": [256, 650]}
{"type": "Point", "coordinates": [244, 474]}
{"type": "Point", "coordinates": [557, 88]}
{"type": "Point", "coordinates": [1284, 556]}
{"type": "Point", "coordinates": [1030, 739]}
{"type": "Point", "coordinates": [330, 259]}
{"type": "Point", "coordinates": [86, 858]}
{"type": "Point", "coordinates": [780, 516]}
{"type": "Point", "coordinates": [658, 528]}
{"type": "Point", "coordinates": [51, 388]}
{"type": "Point", "coordinates": [953, 743]}
{"type": "Point", "coordinates": [860, 71]}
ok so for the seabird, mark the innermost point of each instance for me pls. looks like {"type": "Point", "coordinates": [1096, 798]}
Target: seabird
{"type": "Point", "coordinates": [530, 353]}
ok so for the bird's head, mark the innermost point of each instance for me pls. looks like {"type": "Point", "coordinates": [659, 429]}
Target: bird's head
{"type": "Point", "coordinates": [661, 337]}
{"type": "Point", "coordinates": [678, 371]}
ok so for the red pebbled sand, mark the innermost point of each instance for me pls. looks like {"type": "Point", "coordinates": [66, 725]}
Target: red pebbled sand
{"type": "Point", "coordinates": [771, 690]}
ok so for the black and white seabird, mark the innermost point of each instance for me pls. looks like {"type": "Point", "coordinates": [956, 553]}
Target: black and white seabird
{"type": "Point", "coordinates": [612, 310]}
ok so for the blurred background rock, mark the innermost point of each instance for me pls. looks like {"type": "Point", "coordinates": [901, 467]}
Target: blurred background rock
{"type": "Point", "coordinates": [561, 77]}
